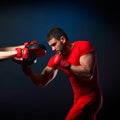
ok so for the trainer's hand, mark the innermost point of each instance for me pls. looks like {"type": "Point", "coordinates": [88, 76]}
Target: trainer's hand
{"type": "Point", "coordinates": [22, 53]}
{"type": "Point", "coordinates": [58, 60]}
{"type": "Point", "coordinates": [25, 56]}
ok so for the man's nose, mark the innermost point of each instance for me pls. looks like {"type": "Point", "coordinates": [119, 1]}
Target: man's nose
{"type": "Point", "coordinates": [53, 48]}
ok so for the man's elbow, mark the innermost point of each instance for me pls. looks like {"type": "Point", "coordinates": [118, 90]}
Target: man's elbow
{"type": "Point", "coordinates": [39, 84]}
{"type": "Point", "coordinates": [89, 72]}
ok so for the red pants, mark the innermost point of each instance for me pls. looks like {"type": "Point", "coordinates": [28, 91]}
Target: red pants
{"type": "Point", "coordinates": [85, 108]}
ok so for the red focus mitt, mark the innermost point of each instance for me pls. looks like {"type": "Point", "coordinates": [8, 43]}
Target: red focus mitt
{"type": "Point", "coordinates": [39, 49]}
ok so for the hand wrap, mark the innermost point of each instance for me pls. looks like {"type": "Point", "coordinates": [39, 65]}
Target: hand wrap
{"type": "Point", "coordinates": [25, 56]}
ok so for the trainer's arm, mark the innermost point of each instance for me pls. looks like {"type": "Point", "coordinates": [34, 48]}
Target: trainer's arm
{"type": "Point", "coordinates": [11, 48]}
{"type": "Point", "coordinates": [42, 79]}
{"type": "Point", "coordinates": [9, 52]}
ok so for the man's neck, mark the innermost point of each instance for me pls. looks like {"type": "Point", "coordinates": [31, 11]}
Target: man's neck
{"type": "Point", "coordinates": [68, 48]}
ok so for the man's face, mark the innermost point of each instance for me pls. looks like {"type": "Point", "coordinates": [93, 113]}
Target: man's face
{"type": "Point", "coordinates": [57, 45]}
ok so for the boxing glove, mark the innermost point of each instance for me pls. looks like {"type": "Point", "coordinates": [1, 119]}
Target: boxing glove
{"type": "Point", "coordinates": [58, 60]}
{"type": "Point", "coordinates": [39, 49]}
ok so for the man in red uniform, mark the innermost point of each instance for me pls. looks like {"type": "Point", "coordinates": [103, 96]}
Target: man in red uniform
{"type": "Point", "coordinates": [79, 61]}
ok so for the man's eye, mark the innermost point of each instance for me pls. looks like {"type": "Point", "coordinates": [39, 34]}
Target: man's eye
{"type": "Point", "coordinates": [54, 44]}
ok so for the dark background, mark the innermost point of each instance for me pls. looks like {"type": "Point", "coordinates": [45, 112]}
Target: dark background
{"type": "Point", "coordinates": [25, 20]}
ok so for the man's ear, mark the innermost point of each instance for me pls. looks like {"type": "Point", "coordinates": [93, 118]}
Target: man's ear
{"type": "Point", "coordinates": [63, 39]}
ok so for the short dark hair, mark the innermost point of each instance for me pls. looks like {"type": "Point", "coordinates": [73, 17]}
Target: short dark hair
{"type": "Point", "coordinates": [56, 32]}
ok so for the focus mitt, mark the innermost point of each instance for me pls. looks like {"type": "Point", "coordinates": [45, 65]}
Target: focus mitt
{"type": "Point", "coordinates": [28, 58]}
{"type": "Point", "coordinates": [39, 49]}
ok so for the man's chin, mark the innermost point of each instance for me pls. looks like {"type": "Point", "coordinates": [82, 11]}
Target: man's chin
{"type": "Point", "coordinates": [58, 52]}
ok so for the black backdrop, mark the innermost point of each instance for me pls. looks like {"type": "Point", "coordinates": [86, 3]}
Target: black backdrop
{"type": "Point", "coordinates": [25, 20]}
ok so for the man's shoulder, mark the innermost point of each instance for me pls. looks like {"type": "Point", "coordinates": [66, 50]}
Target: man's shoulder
{"type": "Point", "coordinates": [81, 42]}
{"type": "Point", "coordinates": [53, 56]}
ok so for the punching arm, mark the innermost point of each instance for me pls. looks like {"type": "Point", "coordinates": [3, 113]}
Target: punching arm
{"type": "Point", "coordinates": [42, 79]}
